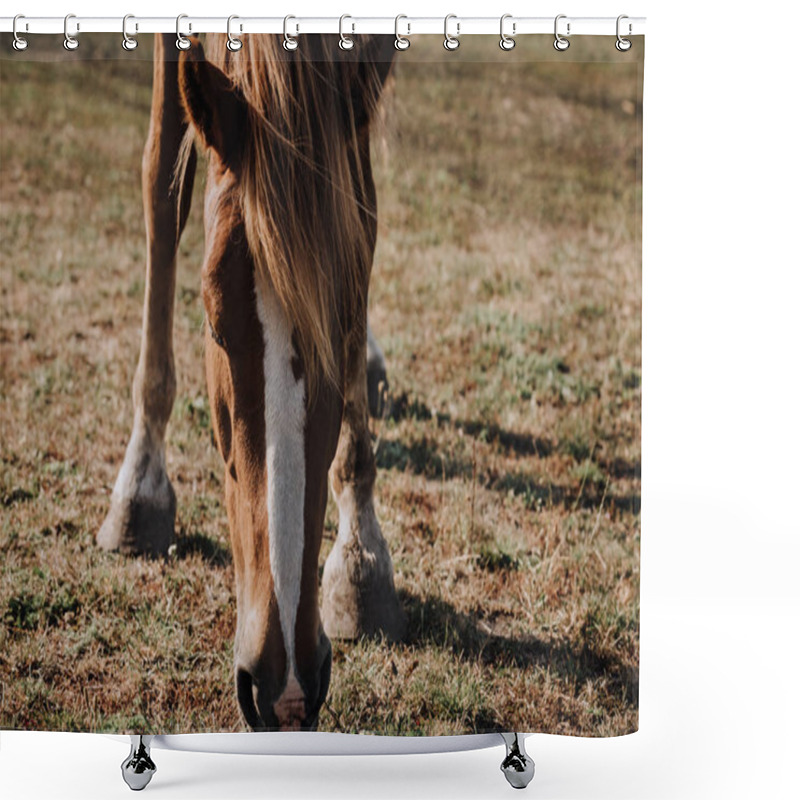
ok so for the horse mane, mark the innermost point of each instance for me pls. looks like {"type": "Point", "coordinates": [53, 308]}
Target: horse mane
{"type": "Point", "coordinates": [304, 191]}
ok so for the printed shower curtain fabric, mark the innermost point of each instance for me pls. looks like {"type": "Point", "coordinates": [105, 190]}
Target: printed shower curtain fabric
{"type": "Point", "coordinates": [438, 537]}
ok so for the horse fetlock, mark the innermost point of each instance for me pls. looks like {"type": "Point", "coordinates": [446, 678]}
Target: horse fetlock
{"type": "Point", "coordinates": [141, 519]}
{"type": "Point", "coordinates": [358, 592]}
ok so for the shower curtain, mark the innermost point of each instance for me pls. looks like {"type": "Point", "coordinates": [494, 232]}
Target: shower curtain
{"type": "Point", "coordinates": [505, 298]}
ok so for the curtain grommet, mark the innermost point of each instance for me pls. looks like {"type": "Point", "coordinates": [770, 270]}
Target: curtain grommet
{"type": "Point", "coordinates": [451, 42]}
{"type": "Point", "coordinates": [289, 42]}
{"type": "Point", "coordinates": [18, 43]}
{"type": "Point", "coordinates": [507, 42]}
{"type": "Point", "coordinates": [345, 42]}
{"type": "Point", "coordinates": [622, 44]}
{"type": "Point", "coordinates": [181, 42]}
{"type": "Point", "coordinates": [233, 44]}
{"type": "Point", "coordinates": [401, 42]}
{"type": "Point", "coordinates": [128, 42]}
{"type": "Point", "coordinates": [560, 43]}
{"type": "Point", "coordinates": [70, 41]}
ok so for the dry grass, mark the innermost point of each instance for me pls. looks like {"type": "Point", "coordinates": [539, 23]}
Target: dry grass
{"type": "Point", "coordinates": [507, 296]}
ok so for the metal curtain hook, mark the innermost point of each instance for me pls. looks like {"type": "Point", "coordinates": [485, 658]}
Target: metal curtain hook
{"type": "Point", "coordinates": [70, 42]}
{"type": "Point", "coordinates": [345, 42]}
{"type": "Point", "coordinates": [451, 42]}
{"type": "Point", "coordinates": [233, 44]}
{"type": "Point", "coordinates": [128, 42]}
{"type": "Point", "coordinates": [401, 42]}
{"type": "Point", "coordinates": [560, 42]}
{"type": "Point", "coordinates": [623, 45]}
{"type": "Point", "coordinates": [507, 42]}
{"type": "Point", "coordinates": [182, 43]}
{"type": "Point", "coordinates": [289, 42]}
{"type": "Point", "coordinates": [19, 43]}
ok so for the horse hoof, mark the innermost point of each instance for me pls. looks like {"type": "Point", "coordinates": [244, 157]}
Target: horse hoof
{"type": "Point", "coordinates": [138, 526]}
{"type": "Point", "coordinates": [517, 766]}
{"type": "Point", "coordinates": [358, 594]}
{"type": "Point", "coordinates": [138, 768]}
{"type": "Point", "coordinates": [353, 611]}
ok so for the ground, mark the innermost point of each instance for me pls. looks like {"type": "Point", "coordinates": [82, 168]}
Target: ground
{"type": "Point", "coordinates": [507, 297]}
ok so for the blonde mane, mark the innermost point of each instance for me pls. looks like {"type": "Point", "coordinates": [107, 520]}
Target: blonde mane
{"type": "Point", "coordinates": [304, 184]}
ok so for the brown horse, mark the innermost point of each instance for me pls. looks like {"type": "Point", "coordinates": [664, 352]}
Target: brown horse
{"type": "Point", "coordinates": [290, 226]}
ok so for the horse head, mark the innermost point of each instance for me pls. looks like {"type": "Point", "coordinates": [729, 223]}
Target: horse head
{"type": "Point", "coordinates": [290, 232]}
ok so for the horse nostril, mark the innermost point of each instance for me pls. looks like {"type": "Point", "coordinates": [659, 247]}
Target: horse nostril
{"type": "Point", "coordinates": [324, 682]}
{"type": "Point", "coordinates": [247, 703]}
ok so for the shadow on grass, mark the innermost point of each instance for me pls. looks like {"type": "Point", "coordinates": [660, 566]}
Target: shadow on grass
{"type": "Point", "coordinates": [212, 551]}
{"type": "Point", "coordinates": [422, 457]}
{"type": "Point", "coordinates": [489, 432]}
{"type": "Point", "coordinates": [434, 622]}
{"type": "Point", "coordinates": [589, 496]}
{"type": "Point", "coordinates": [619, 468]}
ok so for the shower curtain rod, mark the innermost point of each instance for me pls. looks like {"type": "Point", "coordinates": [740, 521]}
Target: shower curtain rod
{"type": "Point", "coordinates": [405, 26]}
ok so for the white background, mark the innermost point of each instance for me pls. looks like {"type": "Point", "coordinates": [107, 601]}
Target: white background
{"type": "Point", "coordinates": [720, 599]}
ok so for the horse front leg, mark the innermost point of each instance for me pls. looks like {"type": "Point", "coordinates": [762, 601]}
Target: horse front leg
{"type": "Point", "coordinates": [142, 514]}
{"type": "Point", "coordinates": [358, 593]}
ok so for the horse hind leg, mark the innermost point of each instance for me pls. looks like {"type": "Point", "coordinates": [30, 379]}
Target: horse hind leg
{"type": "Point", "coordinates": [358, 593]}
{"type": "Point", "coordinates": [142, 514]}
{"type": "Point", "coordinates": [377, 381]}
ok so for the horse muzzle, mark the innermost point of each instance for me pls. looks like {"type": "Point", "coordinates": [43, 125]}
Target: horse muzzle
{"type": "Point", "coordinates": [294, 707]}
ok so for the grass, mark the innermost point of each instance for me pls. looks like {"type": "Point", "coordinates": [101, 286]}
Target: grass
{"type": "Point", "coordinates": [507, 297]}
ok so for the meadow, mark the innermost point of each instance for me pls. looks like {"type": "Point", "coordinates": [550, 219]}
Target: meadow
{"type": "Point", "coordinates": [506, 294]}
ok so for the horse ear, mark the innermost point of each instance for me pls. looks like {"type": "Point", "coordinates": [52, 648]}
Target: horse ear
{"type": "Point", "coordinates": [213, 104]}
{"type": "Point", "coordinates": [371, 71]}
{"type": "Point", "coordinates": [380, 50]}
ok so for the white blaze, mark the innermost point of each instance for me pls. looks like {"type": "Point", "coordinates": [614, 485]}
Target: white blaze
{"type": "Point", "coordinates": [285, 413]}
